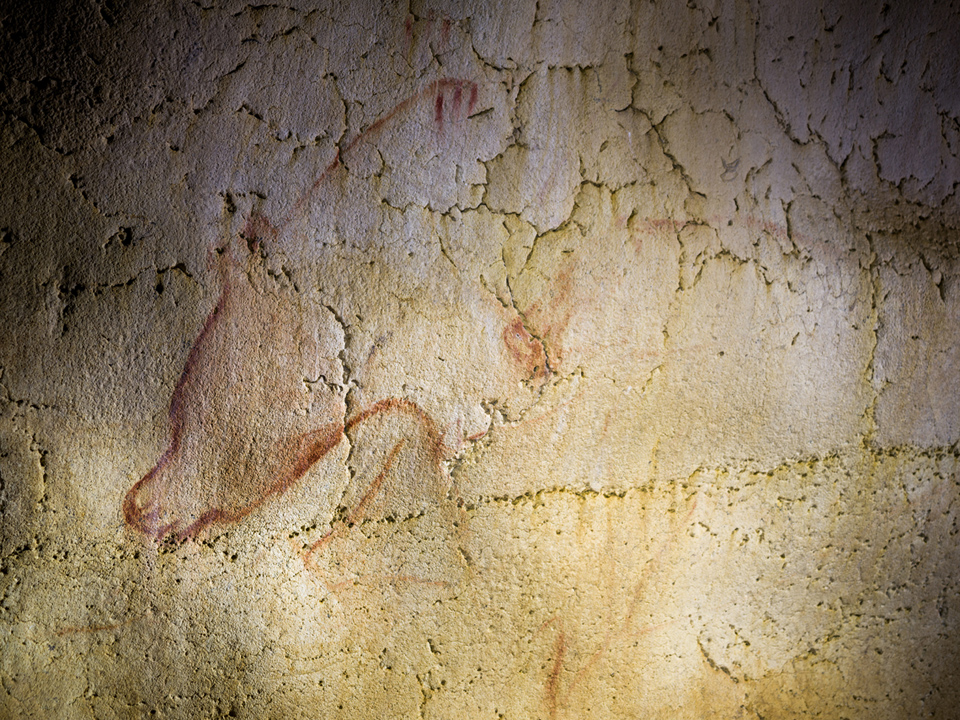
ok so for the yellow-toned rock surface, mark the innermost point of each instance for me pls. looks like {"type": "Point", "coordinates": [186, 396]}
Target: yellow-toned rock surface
{"type": "Point", "coordinates": [480, 360]}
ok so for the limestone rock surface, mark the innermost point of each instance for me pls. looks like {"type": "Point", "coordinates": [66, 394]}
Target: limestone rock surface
{"type": "Point", "coordinates": [480, 360]}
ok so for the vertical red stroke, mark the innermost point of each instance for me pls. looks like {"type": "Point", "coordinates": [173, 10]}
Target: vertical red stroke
{"type": "Point", "coordinates": [457, 95]}
{"type": "Point", "coordinates": [437, 86]}
{"type": "Point", "coordinates": [444, 33]}
{"type": "Point", "coordinates": [438, 110]}
{"type": "Point", "coordinates": [552, 688]}
{"type": "Point", "coordinates": [473, 99]}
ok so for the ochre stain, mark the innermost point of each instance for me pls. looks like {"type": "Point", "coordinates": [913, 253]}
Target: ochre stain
{"type": "Point", "coordinates": [551, 316]}
{"type": "Point", "coordinates": [526, 350]}
{"type": "Point", "coordinates": [105, 627]}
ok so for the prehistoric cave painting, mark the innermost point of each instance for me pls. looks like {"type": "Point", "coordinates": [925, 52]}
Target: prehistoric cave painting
{"type": "Point", "coordinates": [242, 425]}
{"type": "Point", "coordinates": [397, 447]}
{"type": "Point", "coordinates": [571, 302]}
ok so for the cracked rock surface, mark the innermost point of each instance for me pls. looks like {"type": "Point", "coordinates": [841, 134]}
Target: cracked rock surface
{"type": "Point", "coordinates": [482, 360]}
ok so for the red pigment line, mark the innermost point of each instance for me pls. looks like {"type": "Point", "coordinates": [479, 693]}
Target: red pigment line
{"type": "Point", "coordinates": [444, 33]}
{"type": "Point", "coordinates": [436, 86]}
{"type": "Point", "coordinates": [438, 110]}
{"type": "Point", "coordinates": [319, 443]}
{"type": "Point", "coordinates": [412, 579]}
{"type": "Point", "coordinates": [256, 227]}
{"type": "Point", "coordinates": [134, 516]}
{"type": "Point", "coordinates": [341, 586]}
{"type": "Point", "coordinates": [552, 688]}
{"type": "Point", "coordinates": [327, 438]}
{"type": "Point", "coordinates": [357, 512]}
{"type": "Point", "coordinates": [526, 350]}
{"type": "Point", "coordinates": [88, 629]}
{"type": "Point", "coordinates": [457, 95]}
{"type": "Point", "coordinates": [312, 446]}
{"type": "Point", "coordinates": [751, 222]}
{"type": "Point", "coordinates": [442, 84]}
{"type": "Point", "coordinates": [559, 650]}
{"type": "Point", "coordinates": [208, 518]}
{"type": "Point", "coordinates": [317, 547]}
{"type": "Point", "coordinates": [612, 631]}
{"type": "Point", "coordinates": [407, 407]}
{"type": "Point", "coordinates": [404, 406]}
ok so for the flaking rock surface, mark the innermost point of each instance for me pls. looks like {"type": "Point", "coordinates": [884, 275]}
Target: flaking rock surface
{"type": "Point", "coordinates": [480, 360]}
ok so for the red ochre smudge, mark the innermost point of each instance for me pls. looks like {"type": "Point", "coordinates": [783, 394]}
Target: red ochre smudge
{"type": "Point", "coordinates": [525, 349]}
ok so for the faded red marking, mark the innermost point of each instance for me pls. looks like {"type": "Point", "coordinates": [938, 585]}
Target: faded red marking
{"type": "Point", "coordinates": [406, 407]}
{"type": "Point", "coordinates": [431, 17]}
{"type": "Point", "coordinates": [444, 33]}
{"type": "Point", "coordinates": [256, 227]}
{"type": "Point", "coordinates": [552, 686]}
{"type": "Point", "coordinates": [666, 224]}
{"type": "Point", "coordinates": [341, 529]}
{"type": "Point", "coordinates": [550, 321]}
{"type": "Point", "coordinates": [457, 95]}
{"type": "Point", "coordinates": [73, 629]}
{"type": "Point", "coordinates": [144, 502]}
{"type": "Point", "coordinates": [552, 691]}
{"type": "Point", "coordinates": [561, 301]}
{"type": "Point", "coordinates": [526, 350]}
{"type": "Point", "coordinates": [106, 627]}
{"type": "Point", "coordinates": [751, 222]}
{"type": "Point", "coordinates": [438, 110]}
{"type": "Point", "coordinates": [311, 447]}
{"type": "Point", "coordinates": [360, 511]}
{"type": "Point", "coordinates": [357, 514]}
{"type": "Point", "coordinates": [389, 579]}
{"type": "Point", "coordinates": [427, 34]}
{"type": "Point", "coordinates": [438, 86]}
{"type": "Point", "coordinates": [775, 229]}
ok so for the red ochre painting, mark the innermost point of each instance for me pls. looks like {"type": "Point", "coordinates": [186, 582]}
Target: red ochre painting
{"type": "Point", "coordinates": [238, 432]}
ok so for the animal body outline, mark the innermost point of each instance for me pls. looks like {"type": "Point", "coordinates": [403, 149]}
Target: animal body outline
{"type": "Point", "coordinates": [143, 505]}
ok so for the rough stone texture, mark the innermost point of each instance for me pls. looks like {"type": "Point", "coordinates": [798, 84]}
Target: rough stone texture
{"type": "Point", "coordinates": [480, 360]}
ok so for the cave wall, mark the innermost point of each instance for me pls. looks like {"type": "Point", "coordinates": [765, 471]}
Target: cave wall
{"type": "Point", "coordinates": [480, 360]}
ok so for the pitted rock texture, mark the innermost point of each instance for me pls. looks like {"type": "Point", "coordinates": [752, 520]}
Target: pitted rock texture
{"type": "Point", "coordinates": [480, 360]}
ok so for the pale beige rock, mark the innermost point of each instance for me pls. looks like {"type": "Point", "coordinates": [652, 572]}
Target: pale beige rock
{"type": "Point", "coordinates": [534, 360]}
